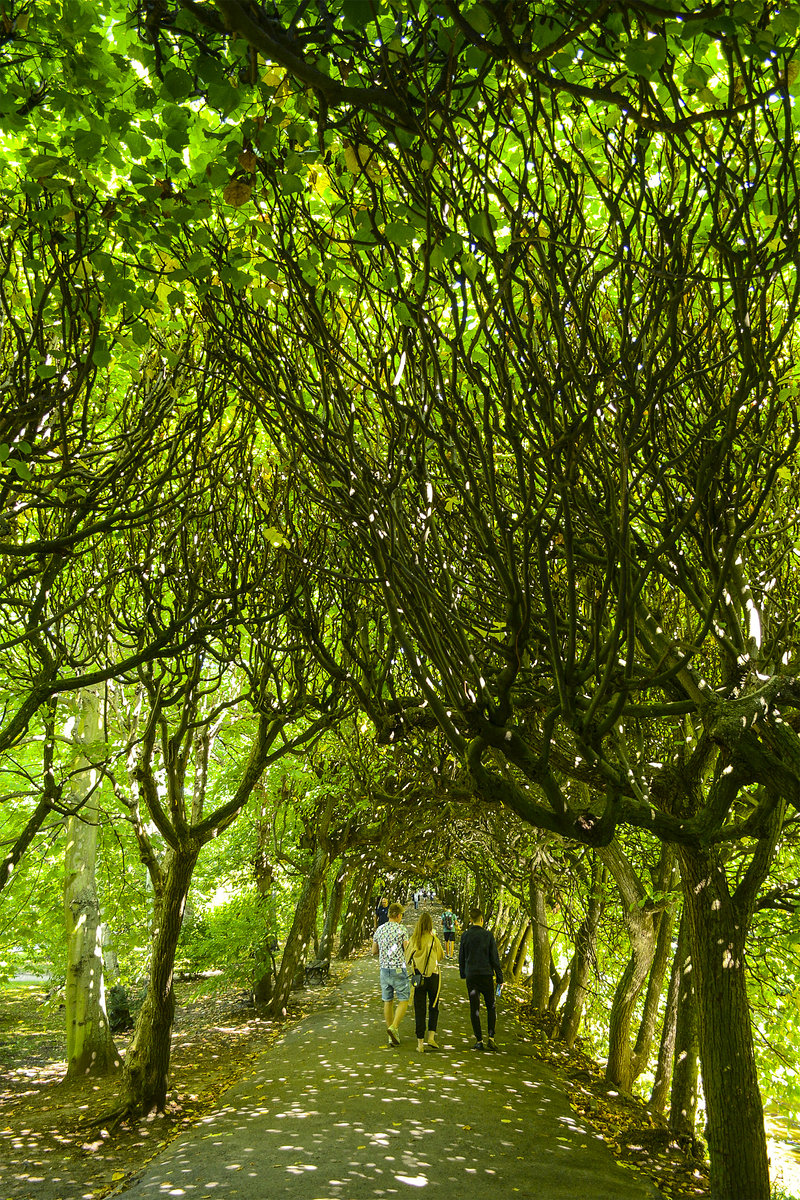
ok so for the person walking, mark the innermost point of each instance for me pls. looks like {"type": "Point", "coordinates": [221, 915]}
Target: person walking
{"type": "Point", "coordinates": [389, 943]}
{"type": "Point", "coordinates": [449, 930]}
{"type": "Point", "coordinates": [423, 955]}
{"type": "Point", "coordinates": [479, 965]}
{"type": "Point", "coordinates": [382, 911]}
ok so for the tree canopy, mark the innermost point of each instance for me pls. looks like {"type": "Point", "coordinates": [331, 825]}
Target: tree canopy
{"type": "Point", "coordinates": [428, 368]}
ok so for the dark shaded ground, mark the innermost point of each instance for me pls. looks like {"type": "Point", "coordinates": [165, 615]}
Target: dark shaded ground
{"type": "Point", "coordinates": [49, 1151]}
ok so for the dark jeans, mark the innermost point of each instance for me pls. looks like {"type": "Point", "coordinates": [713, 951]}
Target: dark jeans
{"type": "Point", "coordinates": [477, 986]}
{"type": "Point", "coordinates": [426, 996]}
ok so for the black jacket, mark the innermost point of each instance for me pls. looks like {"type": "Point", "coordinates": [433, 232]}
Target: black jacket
{"type": "Point", "coordinates": [477, 954]}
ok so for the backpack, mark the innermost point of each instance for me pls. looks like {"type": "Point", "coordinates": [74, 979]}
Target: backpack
{"type": "Point", "coordinates": [447, 922]}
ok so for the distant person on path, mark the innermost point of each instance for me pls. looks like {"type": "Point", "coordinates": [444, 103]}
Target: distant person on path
{"type": "Point", "coordinates": [479, 964]}
{"type": "Point", "coordinates": [449, 931]}
{"type": "Point", "coordinates": [389, 942]}
{"type": "Point", "coordinates": [382, 911]}
{"type": "Point", "coordinates": [424, 952]}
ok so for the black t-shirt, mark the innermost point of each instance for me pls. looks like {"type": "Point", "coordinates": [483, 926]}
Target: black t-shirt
{"type": "Point", "coordinates": [382, 913]}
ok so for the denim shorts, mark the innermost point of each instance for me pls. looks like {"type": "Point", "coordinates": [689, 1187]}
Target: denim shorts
{"type": "Point", "coordinates": [395, 985]}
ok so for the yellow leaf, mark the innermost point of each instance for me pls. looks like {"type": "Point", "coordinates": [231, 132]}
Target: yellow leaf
{"type": "Point", "coordinates": [117, 1175]}
{"type": "Point", "coordinates": [237, 193]}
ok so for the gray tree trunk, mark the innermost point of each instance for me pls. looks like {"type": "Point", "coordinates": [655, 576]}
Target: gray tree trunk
{"type": "Point", "coordinates": [90, 1046]}
{"type": "Point", "coordinates": [332, 914]}
{"type": "Point", "coordinates": [583, 957]}
{"type": "Point", "coordinates": [683, 1095]}
{"type": "Point", "coordinates": [540, 949]}
{"type": "Point", "coordinates": [666, 1050]}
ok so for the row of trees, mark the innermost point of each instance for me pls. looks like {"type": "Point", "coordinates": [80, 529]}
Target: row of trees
{"type": "Point", "coordinates": [436, 368]}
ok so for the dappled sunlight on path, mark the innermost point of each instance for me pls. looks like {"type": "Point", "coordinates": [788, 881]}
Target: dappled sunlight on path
{"type": "Point", "coordinates": [332, 1111]}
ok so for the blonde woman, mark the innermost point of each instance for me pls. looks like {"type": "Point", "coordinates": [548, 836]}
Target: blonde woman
{"type": "Point", "coordinates": [424, 952]}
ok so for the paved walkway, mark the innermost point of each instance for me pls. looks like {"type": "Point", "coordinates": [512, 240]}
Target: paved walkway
{"type": "Point", "coordinates": [330, 1113]}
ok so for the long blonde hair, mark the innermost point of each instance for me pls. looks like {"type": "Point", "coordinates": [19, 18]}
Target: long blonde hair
{"type": "Point", "coordinates": [419, 939]}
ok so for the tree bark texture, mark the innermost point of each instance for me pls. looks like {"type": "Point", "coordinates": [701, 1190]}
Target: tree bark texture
{"type": "Point", "coordinates": [333, 914]}
{"type": "Point", "coordinates": [90, 1046]}
{"type": "Point", "coordinates": [522, 953]}
{"type": "Point", "coordinates": [639, 923]}
{"type": "Point", "coordinates": [354, 928]}
{"type": "Point", "coordinates": [582, 959]}
{"type": "Point", "coordinates": [146, 1071]}
{"type": "Point", "coordinates": [666, 1049]}
{"type": "Point", "coordinates": [540, 949]}
{"type": "Point", "coordinates": [655, 986]}
{"type": "Point", "coordinates": [299, 936]}
{"type": "Point", "coordinates": [509, 955]}
{"type": "Point", "coordinates": [717, 928]}
{"type": "Point", "coordinates": [683, 1096]}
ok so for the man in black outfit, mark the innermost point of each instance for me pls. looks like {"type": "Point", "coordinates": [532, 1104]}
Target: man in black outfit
{"type": "Point", "coordinates": [479, 964]}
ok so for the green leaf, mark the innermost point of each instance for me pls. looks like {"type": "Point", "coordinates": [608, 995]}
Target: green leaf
{"type": "Point", "coordinates": [275, 538]}
{"type": "Point", "coordinates": [470, 267]}
{"type": "Point", "coordinates": [178, 83]}
{"type": "Point", "coordinates": [404, 315]}
{"type": "Point", "coordinates": [175, 117]}
{"type": "Point", "coordinates": [401, 233]}
{"type": "Point", "coordinates": [480, 20]}
{"type": "Point", "coordinates": [695, 78]}
{"type": "Point", "coordinates": [482, 225]}
{"type": "Point", "coordinates": [290, 184]}
{"type": "Point", "coordinates": [140, 333]}
{"type": "Point", "coordinates": [646, 56]}
{"type": "Point", "coordinates": [42, 165]}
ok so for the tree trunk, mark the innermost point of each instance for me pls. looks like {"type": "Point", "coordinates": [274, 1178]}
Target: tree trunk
{"type": "Point", "coordinates": [666, 1049]}
{"type": "Point", "coordinates": [658, 969]}
{"type": "Point", "coordinates": [90, 1047]}
{"type": "Point", "coordinates": [558, 985]}
{"type": "Point", "coordinates": [509, 955]}
{"type": "Point", "coordinates": [717, 928]}
{"type": "Point", "coordinates": [146, 1070]}
{"type": "Point", "coordinates": [683, 1098]}
{"type": "Point", "coordinates": [540, 950]}
{"type": "Point", "coordinates": [502, 927]}
{"type": "Point", "coordinates": [297, 941]}
{"type": "Point", "coordinates": [354, 925]}
{"type": "Point", "coordinates": [583, 957]}
{"type": "Point", "coordinates": [522, 954]}
{"type": "Point", "coordinates": [639, 923]}
{"type": "Point", "coordinates": [332, 914]}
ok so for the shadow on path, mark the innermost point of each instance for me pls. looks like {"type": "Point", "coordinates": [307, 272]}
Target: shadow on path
{"type": "Point", "coordinates": [331, 1112]}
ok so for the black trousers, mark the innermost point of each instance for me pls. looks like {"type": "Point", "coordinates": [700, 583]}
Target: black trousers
{"type": "Point", "coordinates": [426, 996]}
{"type": "Point", "coordinates": [477, 986]}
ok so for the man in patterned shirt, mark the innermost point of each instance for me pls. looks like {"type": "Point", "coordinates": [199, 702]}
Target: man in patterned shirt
{"type": "Point", "coordinates": [389, 943]}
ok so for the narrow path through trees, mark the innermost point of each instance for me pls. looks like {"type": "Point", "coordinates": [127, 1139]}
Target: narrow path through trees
{"type": "Point", "coordinates": [330, 1111]}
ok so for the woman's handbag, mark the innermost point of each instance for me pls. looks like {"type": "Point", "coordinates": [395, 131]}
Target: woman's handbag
{"type": "Point", "coordinates": [418, 978]}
